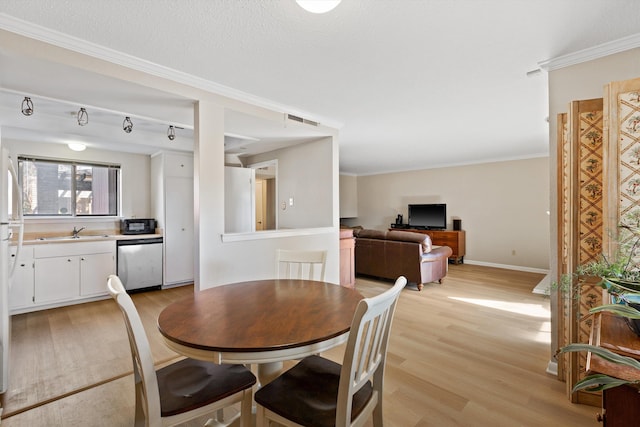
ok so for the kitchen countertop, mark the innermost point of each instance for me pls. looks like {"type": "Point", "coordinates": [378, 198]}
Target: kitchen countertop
{"type": "Point", "coordinates": [43, 239]}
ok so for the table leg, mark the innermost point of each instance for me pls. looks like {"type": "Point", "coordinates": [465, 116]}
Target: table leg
{"type": "Point", "coordinates": [267, 372]}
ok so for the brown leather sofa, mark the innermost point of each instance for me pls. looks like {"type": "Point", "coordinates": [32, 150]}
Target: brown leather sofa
{"type": "Point", "coordinates": [390, 254]}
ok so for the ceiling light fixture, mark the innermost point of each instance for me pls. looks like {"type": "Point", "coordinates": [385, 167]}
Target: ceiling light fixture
{"type": "Point", "coordinates": [27, 106]}
{"type": "Point", "coordinates": [318, 6]}
{"type": "Point", "coordinates": [171, 133]}
{"type": "Point", "coordinates": [83, 117]}
{"type": "Point", "coordinates": [76, 146]}
{"type": "Point", "coordinates": [127, 125]}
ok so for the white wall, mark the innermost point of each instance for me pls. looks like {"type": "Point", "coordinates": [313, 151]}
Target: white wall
{"type": "Point", "coordinates": [307, 172]}
{"type": "Point", "coordinates": [303, 175]}
{"type": "Point", "coordinates": [348, 196]}
{"type": "Point", "coordinates": [503, 207]}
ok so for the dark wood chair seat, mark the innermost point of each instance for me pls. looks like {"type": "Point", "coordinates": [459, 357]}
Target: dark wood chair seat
{"type": "Point", "coordinates": [190, 384]}
{"type": "Point", "coordinates": [308, 393]}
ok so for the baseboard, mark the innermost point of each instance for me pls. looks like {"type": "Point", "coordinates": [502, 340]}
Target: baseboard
{"type": "Point", "coordinates": [543, 287]}
{"type": "Point", "coordinates": [552, 368]}
{"type": "Point", "coordinates": [507, 266]}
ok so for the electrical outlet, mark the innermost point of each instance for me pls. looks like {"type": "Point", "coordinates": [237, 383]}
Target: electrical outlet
{"type": "Point", "coordinates": [513, 252]}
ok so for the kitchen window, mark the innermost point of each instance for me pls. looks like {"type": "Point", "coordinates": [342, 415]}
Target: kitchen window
{"type": "Point", "coordinates": [68, 188]}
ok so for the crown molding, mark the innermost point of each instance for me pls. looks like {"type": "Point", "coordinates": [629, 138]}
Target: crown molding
{"type": "Point", "coordinates": [75, 44]}
{"type": "Point", "coordinates": [592, 53]}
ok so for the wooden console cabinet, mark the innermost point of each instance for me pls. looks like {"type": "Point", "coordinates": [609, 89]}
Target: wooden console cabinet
{"type": "Point", "coordinates": [620, 405]}
{"type": "Point", "coordinates": [347, 259]}
{"type": "Point", "coordinates": [456, 240]}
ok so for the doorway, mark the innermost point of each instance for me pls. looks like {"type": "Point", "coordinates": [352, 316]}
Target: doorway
{"type": "Point", "coordinates": [266, 194]}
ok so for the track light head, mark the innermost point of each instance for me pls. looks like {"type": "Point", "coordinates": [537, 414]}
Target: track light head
{"type": "Point", "coordinates": [171, 133]}
{"type": "Point", "coordinates": [83, 117]}
{"type": "Point", "coordinates": [127, 125]}
{"type": "Point", "coordinates": [27, 106]}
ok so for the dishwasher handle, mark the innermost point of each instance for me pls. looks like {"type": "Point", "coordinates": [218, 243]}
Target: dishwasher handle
{"type": "Point", "coordinates": [129, 242]}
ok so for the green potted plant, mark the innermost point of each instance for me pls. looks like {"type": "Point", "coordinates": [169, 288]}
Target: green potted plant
{"type": "Point", "coordinates": [620, 276]}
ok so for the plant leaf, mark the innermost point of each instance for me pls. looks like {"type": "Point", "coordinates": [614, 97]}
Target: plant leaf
{"type": "Point", "coordinates": [599, 382]}
{"type": "Point", "coordinates": [619, 309]}
{"type": "Point", "coordinates": [603, 353]}
{"type": "Point", "coordinates": [625, 285]}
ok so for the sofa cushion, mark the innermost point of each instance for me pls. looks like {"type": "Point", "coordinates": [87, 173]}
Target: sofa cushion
{"type": "Point", "coordinates": [371, 234]}
{"type": "Point", "coordinates": [399, 236]}
{"type": "Point", "coordinates": [408, 236]}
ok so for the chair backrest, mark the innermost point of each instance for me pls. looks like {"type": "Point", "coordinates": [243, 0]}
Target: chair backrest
{"type": "Point", "coordinates": [144, 372]}
{"type": "Point", "coordinates": [366, 352]}
{"type": "Point", "coordinates": [308, 265]}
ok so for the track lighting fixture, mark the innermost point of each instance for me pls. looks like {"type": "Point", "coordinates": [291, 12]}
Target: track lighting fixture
{"type": "Point", "coordinates": [127, 125]}
{"type": "Point", "coordinates": [83, 117]}
{"type": "Point", "coordinates": [27, 106]}
{"type": "Point", "coordinates": [171, 133]}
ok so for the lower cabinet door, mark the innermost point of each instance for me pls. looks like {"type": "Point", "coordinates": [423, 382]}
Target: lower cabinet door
{"type": "Point", "coordinates": [94, 270]}
{"type": "Point", "coordinates": [56, 279]}
{"type": "Point", "coordinates": [621, 406]}
{"type": "Point", "coordinates": [21, 285]}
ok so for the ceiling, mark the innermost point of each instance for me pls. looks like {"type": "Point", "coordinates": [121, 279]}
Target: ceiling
{"type": "Point", "coordinates": [412, 84]}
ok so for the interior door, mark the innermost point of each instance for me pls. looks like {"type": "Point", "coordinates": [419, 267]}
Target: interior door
{"type": "Point", "coordinates": [4, 271]}
{"type": "Point", "coordinates": [239, 200]}
{"type": "Point", "coordinates": [260, 205]}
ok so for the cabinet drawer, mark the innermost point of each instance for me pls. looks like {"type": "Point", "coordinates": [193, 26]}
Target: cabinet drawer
{"type": "Point", "coordinates": [26, 253]}
{"type": "Point", "coordinates": [447, 240]}
{"type": "Point", "coordinates": [72, 248]}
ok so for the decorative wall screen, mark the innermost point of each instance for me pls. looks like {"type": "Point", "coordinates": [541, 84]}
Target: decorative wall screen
{"type": "Point", "coordinates": [598, 188]}
{"type": "Point", "coordinates": [580, 229]}
{"type": "Point", "coordinates": [628, 134]}
{"type": "Point", "coordinates": [564, 236]}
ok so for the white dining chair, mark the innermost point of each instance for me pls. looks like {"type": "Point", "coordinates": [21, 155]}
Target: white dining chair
{"type": "Point", "coordinates": [186, 389]}
{"type": "Point", "coordinates": [318, 392]}
{"type": "Point", "coordinates": [294, 264]}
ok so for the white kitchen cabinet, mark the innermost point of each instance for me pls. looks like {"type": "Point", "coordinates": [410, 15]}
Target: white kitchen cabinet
{"type": "Point", "coordinates": [21, 290]}
{"type": "Point", "coordinates": [179, 231]}
{"type": "Point", "coordinates": [94, 270]}
{"type": "Point", "coordinates": [172, 201]}
{"type": "Point", "coordinates": [56, 279]}
{"type": "Point", "coordinates": [69, 272]}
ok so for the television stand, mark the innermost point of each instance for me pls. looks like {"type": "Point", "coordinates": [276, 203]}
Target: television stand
{"type": "Point", "coordinates": [456, 240]}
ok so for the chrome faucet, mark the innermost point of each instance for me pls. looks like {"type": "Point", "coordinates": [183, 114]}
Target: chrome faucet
{"type": "Point", "coordinates": [76, 231]}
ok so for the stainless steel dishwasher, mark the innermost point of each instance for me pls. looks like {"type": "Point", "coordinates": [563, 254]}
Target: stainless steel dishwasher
{"type": "Point", "coordinates": [140, 263]}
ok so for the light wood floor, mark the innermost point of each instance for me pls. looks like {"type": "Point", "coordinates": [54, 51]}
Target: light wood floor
{"type": "Point", "coordinates": [470, 352]}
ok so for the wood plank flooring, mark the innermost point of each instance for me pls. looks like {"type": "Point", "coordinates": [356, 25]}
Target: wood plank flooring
{"type": "Point", "coordinates": [469, 352]}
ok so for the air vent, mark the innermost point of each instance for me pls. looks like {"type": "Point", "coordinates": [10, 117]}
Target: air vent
{"type": "Point", "coordinates": [302, 120]}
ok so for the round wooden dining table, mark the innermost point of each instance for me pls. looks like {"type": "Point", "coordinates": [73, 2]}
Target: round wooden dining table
{"type": "Point", "coordinates": [263, 322]}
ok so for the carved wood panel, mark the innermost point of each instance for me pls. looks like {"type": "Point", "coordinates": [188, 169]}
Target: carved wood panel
{"type": "Point", "coordinates": [581, 213]}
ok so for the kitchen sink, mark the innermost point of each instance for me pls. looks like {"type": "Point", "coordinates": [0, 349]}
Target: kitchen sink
{"type": "Point", "coordinates": [88, 236]}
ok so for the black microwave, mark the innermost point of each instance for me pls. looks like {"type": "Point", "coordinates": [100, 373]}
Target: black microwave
{"type": "Point", "coordinates": [138, 226]}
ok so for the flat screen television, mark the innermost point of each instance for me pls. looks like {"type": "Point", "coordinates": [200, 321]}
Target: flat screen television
{"type": "Point", "coordinates": [428, 216]}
